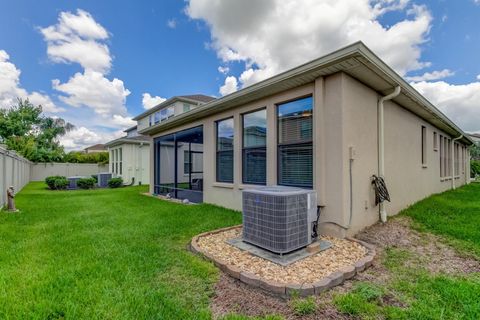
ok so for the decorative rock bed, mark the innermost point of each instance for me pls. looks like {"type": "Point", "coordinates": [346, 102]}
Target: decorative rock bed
{"type": "Point", "coordinates": [312, 275]}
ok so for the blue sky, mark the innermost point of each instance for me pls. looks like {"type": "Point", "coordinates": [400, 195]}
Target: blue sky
{"type": "Point", "coordinates": [215, 47]}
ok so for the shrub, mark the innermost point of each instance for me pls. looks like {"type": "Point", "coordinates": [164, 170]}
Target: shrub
{"type": "Point", "coordinates": [61, 183]}
{"type": "Point", "coordinates": [115, 182]}
{"type": "Point", "coordinates": [95, 177]}
{"type": "Point", "coordinates": [50, 181]}
{"type": "Point", "coordinates": [474, 168]}
{"type": "Point", "coordinates": [86, 183]}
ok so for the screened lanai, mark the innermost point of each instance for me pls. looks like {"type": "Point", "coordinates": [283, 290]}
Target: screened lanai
{"type": "Point", "coordinates": [178, 165]}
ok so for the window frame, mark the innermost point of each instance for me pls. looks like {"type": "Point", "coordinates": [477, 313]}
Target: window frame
{"type": "Point", "coordinates": [255, 147]}
{"type": "Point", "coordinates": [305, 143]}
{"type": "Point", "coordinates": [424, 146]}
{"type": "Point", "coordinates": [217, 152]}
{"type": "Point", "coordinates": [435, 141]}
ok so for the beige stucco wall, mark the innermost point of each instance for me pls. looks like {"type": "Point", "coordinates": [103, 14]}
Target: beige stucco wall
{"type": "Point", "coordinates": [345, 117]}
{"type": "Point", "coordinates": [408, 180]}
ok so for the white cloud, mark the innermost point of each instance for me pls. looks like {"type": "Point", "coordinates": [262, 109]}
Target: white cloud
{"type": "Point", "coordinates": [91, 89]}
{"type": "Point", "coordinates": [478, 77]}
{"type": "Point", "coordinates": [223, 69]}
{"type": "Point", "coordinates": [10, 88]}
{"type": "Point", "coordinates": [78, 38]}
{"type": "Point", "coordinates": [461, 103]}
{"type": "Point", "coordinates": [230, 86]}
{"type": "Point", "coordinates": [81, 137]}
{"type": "Point", "coordinates": [172, 23]}
{"type": "Point", "coordinates": [149, 102]}
{"type": "Point", "coordinates": [430, 76]}
{"type": "Point", "coordinates": [271, 36]}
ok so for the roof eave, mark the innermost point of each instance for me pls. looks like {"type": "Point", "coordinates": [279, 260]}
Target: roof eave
{"type": "Point", "coordinates": [357, 49]}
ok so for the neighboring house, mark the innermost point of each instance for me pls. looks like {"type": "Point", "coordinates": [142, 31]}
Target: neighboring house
{"type": "Point", "coordinates": [95, 148]}
{"type": "Point", "coordinates": [129, 157]}
{"type": "Point", "coordinates": [475, 137]}
{"type": "Point", "coordinates": [316, 126]}
{"type": "Point", "coordinates": [170, 108]}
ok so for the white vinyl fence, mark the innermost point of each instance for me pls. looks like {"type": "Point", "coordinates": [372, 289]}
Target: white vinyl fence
{"type": "Point", "coordinates": [14, 171]}
{"type": "Point", "coordinates": [39, 171]}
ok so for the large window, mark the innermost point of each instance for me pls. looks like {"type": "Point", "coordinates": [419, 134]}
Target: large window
{"type": "Point", "coordinates": [295, 157]}
{"type": "Point", "coordinates": [424, 146]}
{"type": "Point", "coordinates": [120, 159]}
{"type": "Point", "coordinates": [225, 150]}
{"type": "Point", "coordinates": [254, 152]}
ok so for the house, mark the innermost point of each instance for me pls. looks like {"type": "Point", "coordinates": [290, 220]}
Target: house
{"type": "Point", "coordinates": [95, 148]}
{"type": "Point", "coordinates": [129, 157]}
{"type": "Point", "coordinates": [329, 125]}
{"type": "Point", "coordinates": [475, 137]}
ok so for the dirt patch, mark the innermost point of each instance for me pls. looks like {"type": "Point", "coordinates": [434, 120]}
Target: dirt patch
{"type": "Point", "coordinates": [233, 296]}
{"type": "Point", "coordinates": [431, 253]}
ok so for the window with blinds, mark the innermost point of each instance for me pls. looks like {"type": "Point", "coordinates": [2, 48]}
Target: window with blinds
{"type": "Point", "coordinates": [225, 150]}
{"type": "Point", "coordinates": [295, 156]}
{"type": "Point", "coordinates": [254, 150]}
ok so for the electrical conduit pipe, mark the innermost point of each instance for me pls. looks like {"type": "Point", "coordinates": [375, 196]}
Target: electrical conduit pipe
{"type": "Point", "coordinates": [381, 144]}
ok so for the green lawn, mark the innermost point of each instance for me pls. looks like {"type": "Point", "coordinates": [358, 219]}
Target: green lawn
{"type": "Point", "coordinates": [453, 215]}
{"type": "Point", "coordinates": [117, 254]}
{"type": "Point", "coordinates": [104, 254]}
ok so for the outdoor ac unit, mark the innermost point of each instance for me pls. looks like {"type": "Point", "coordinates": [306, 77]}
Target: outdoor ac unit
{"type": "Point", "coordinates": [279, 219]}
{"type": "Point", "coordinates": [103, 178]}
{"type": "Point", "coordinates": [72, 181]}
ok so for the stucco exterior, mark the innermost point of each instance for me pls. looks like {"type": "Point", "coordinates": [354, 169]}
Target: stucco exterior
{"type": "Point", "coordinates": [345, 151]}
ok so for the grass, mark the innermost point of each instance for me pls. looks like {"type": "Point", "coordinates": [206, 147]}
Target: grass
{"type": "Point", "coordinates": [116, 254]}
{"type": "Point", "coordinates": [453, 215]}
{"type": "Point", "coordinates": [304, 306]}
{"type": "Point", "coordinates": [105, 254]}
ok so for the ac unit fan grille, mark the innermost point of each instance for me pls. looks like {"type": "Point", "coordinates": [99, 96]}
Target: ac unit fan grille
{"type": "Point", "coordinates": [276, 223]}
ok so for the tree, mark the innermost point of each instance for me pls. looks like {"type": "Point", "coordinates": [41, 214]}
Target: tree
{"type": "Point", "coordinates": [24, 129]}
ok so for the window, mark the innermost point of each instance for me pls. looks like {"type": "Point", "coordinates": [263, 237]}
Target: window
{"type": "Point", "coordinates": [112, 160]}
{"type": "Point", "coordinates": [163, 114]}
{"type": "Point", "coordinates": [186, 107]}
{"type": "Point", "coordinates": [157, 117]}
{"type": "Point", "coordinates": [295, 158]}
{"type": "Point", "coordinates": [120, 160]}
{"type": "Point", "coordinates": [225, 150]}
{"type": "Point", "coordinates": [116, 160]}
{"type": "Point", "coordinates": [254, 151]}
{"type": "Point", "coordinates": [456, 149]}
{"type": "Point", "coordinates": [170, 112]}
{"type": "Point", "coordinates": [442, 161]}
{"type": "Point", "coordinates": [463, 159]}
{"type": "Point", "coordinates": [424, 146]}
{"type": "Point", "coordinates": [186, 162]}
{"type": "Point", "coordinates": [435, 142]}
{"type": "Point", "coordinates": [449, 157]}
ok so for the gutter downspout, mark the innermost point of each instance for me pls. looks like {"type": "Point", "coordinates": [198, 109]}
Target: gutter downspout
{"type": "Point", "coordinates": [452, 163]}
{"type": "Point", "coordinates": [381, 143]}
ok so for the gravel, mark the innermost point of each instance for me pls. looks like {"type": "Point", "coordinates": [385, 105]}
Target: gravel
{"type": "Point", "coordinates": [343, 253]}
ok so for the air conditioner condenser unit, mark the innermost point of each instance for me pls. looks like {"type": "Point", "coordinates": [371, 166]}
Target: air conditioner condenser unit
{"type": "Point", "coordinates": [279, 219]}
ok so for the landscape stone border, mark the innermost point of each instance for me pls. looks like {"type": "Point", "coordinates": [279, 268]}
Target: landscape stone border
{"type": "Point", "coordinates": [287, 290]}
